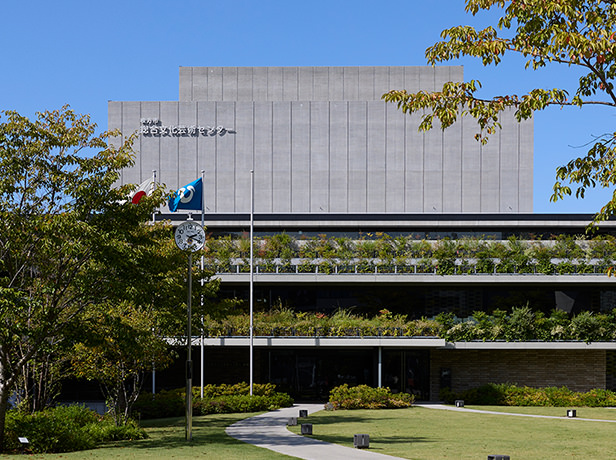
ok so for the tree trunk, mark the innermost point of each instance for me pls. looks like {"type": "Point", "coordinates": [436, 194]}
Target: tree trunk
{"type": "Point", "coordinates": [5, 391]}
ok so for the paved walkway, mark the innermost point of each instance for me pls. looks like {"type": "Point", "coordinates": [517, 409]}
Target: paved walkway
{"type": "Point", "coordinates": [270, 431]}
{"type": "Point", "coordinates": [464, 409]}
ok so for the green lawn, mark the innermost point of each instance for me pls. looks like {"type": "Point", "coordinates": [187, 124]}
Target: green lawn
{"type": "Point", "coordinates": [167, 441]}
{"type": "Point", "coordinates": [416, 433]}
{"type": "Point", "coordinates": [420, 433]}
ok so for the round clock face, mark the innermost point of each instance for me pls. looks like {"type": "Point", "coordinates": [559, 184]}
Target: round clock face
{"type": "Point", "coordinates": [189, 236]}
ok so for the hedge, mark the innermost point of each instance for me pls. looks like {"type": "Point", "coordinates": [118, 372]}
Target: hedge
{"type": "Point", "coordinates": [365, 397]}
{"type": "Point", "coordinates": [217, 399]}
{"type": "Point", "coordinates": [65, 429]}
{"type": "Point", "coordinates": [505, 394]}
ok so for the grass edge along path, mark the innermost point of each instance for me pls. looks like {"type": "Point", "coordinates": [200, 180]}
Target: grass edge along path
{"type": "Point", "coordinates": [166, 441]}
{"type": "Point", "coordinates": [423, 433]}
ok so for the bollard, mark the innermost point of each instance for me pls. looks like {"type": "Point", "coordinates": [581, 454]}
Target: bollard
{"type": "Point", "coordinates": [459, 403]}
{"type": "Point", "coordinates": [361, 441]}
{"type": "Point", "coordinates": [303, 413]}
{"type": "Point", "coordinates": [292, 421]}
{"type": "Point", "coordinates": [306, 428]}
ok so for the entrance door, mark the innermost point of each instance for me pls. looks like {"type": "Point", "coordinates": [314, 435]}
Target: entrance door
{"type": "Point", "coordinates": [407, 371]}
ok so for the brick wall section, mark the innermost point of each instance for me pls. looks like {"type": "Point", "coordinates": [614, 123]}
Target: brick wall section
{"type": "Point", "coordinates": [579, 370]}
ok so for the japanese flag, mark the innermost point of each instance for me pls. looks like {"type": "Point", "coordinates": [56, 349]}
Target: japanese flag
{"type": "Point", "coordinates": [144, 189]}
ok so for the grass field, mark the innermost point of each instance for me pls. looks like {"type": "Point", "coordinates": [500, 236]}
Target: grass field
{"type": "Point", "coordinates": [421, 433]}
{"type": "Point", "coordinates": [416, 433]}
{"type": "Point", "coordinates": [167, 441]}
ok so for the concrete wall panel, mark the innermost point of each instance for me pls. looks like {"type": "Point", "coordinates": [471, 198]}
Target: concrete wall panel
{"type": "Point", "coordinates": [225, 158]}
{"type": "Point", "coordinates": [281, 157]}
{"type": "Point", "coordinates": [321, 83]}
{"type": "Point", "coordinates": [376, 160]}
{"type": "Point", "coordinates": [338, 159]}
{"type": "Point", "coordinates": [395, 166]}
{"type": "Point", "coordinates": [414, 165]}
{"type": "Point", "coordinates": [306, 84]}
{"type": "Point", "coordinates": [509, 165]}
{"type": "Point", "coordinates": [336, 84]}
{"type": "Point", "coordinates": [214, 84]}
{"type": "Point", "coordinates": [490, 174]}
{"type": "Point", "coordinates": [186, 82]}
{"type": "Point", "coordinates": [290, 88]}
{"type": "Point", "coordinates": [322, 140]}
{"type": "Point", "coordinates": [187, 145]}
{"type": "Point", "coordinates": [433, 171]}
{"type": "Point", "coordinates": [244, 84]}
{"type": "Point", "coordinates": [263, 145]}
{"type": "Point", "coordinates": [318, 197]}
{"type": "Point", "coordinates": [471, 166]}
{"type": "Point", "coordinates": [351, 83]}
{"type": "Point", "coordinates": [358, 151]}
{"type": "Point", "coordinates": [151, 145]}
{"type": "Point", "coordinates": [206, 153]}
{"type": "Point", "coordinates": [300, 156]}
{"type": "Point", "coordinates": [452, 169]}
{"type": "Point", "coordinates": [244, 154]}
{"type": "Point", "coordinates": [259, 83]}
{"type": "Point", "coordinates": [274, 84]}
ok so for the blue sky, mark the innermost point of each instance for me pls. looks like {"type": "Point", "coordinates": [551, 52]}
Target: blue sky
{"type": "Point", "coordinates": [86, 53]}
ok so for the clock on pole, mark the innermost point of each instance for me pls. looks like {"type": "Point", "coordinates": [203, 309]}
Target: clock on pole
{"type": "Point", "coordinates": [189, 237]}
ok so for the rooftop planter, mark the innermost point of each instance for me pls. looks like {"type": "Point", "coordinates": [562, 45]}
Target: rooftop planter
{"type": "Point", "coordinates": [383, 254]}
{"type": "Point", "coordinates": [519, 325]}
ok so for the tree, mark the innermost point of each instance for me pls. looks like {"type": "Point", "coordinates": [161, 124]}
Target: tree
{"type": "Point", "coordinates": [125, 335]}
{"type": "Point", "coordinates": [118, 348]}
{"type": "Point", "coordinates": [69, 241]}
{"type": "Point", "coordinates": [575, 33]}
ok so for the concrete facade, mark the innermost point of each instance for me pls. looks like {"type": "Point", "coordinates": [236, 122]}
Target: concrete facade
{"type": "Point", "coordinates": [321, 140]}
{"type": "Point", "coordinates": [328, 153]}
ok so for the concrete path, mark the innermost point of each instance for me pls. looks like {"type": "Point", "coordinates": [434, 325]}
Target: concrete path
{"type": "Point", "coordinates": [270, 431]}
{"type": "Point", "coordinates": [464, 409]}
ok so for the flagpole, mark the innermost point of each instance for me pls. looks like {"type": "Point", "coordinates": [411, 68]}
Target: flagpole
{"type": "Point", "coordinates": [151, 188]}
{"type": "Point", "coordinates": [252, 206]}
{"type": "Point", "coordinates": [202, 280]}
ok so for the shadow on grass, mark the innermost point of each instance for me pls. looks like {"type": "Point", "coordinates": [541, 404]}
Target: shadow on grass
{"type": "Point", "coordinates": [364, 418]}
{"type": "Point", "coordinates": [169, 433]}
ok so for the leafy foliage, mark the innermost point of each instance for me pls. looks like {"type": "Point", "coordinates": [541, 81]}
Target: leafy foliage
{"type": "Point", "coordinates": [574, 33]}
{"type": "Point", "coordinates": [365, 397]}
{"type": "Point", "coordinates": [65, 429]}
{"type": "Point", "coordinates": [505, 394]}
{"type": "Point", "coordinates": [85, 279]}
{"type": "Point", "coordinates": [518, 324]}
{"type": "Point", "coordinates": [217, 399]}
{"type": "Point", "coordinates": [559, 255]}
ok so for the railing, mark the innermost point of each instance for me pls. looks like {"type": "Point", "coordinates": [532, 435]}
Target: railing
{"type": "Point", "coordinates": [414, 267]}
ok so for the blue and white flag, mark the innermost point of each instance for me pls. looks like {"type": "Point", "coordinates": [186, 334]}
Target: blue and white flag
{"type": "Point", "coordinates": [188, 197]}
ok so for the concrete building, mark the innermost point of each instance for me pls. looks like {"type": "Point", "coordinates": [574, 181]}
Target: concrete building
{"type": "Point", "coordinates": [331, 157]}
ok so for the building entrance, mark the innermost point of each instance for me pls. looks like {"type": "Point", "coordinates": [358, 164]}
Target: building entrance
{"type": "Point", "coordinates": [407, 371]}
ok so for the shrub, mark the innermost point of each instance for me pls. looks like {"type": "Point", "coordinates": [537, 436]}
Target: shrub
{"type": "Point", "coordinates": [365, 397]}
{"type": "Point", "coordinates": [241, 403]}
{"type": "Point", "coordinates": [504, 394]}
{"type": "Point", "coordinates": [217, 399]}
{"type": "Point", "coordinates": [160, 405]}
{"type": "Point", "coordinates": [65, 429]}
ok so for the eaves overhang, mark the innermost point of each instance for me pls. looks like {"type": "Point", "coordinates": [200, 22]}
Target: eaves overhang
{"type": "Point", "coordinates": [391, 278]}
{"type": "Point", "coordinates": [315, 342]}
{"type": "Point", "coordinates": [530, 345]}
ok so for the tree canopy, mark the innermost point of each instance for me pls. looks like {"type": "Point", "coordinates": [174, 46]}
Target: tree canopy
{"type": "Point", "coordinates": [78, 262]}
{"type": "Point", "coordinates": [573, 33]}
